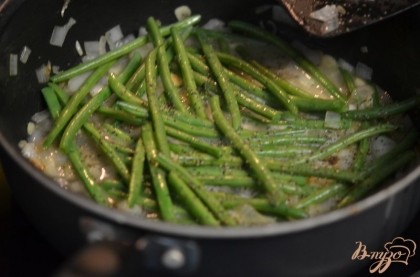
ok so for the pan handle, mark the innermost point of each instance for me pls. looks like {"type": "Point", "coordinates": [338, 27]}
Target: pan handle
{"type": "Point", "coordinates": [152, 254]}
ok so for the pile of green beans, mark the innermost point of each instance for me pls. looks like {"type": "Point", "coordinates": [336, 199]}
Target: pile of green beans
{"type": "Point", "coordinates": [194, 130]}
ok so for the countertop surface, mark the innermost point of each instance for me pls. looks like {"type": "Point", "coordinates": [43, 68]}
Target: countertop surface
{"type": "Point", "coordinates": [24, 252]}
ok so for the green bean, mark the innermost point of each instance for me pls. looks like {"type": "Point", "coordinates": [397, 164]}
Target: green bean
{"type": "Point", "coordinates": [120, 134]}
{"type": "Point", "coordinates": [198, 188]}
{"type": "Point", "coordinates": [290, 88]}
{"type": "Point", "coordinates": [187, 74]}
{"type": "Point", "coordinates": [222, 81]}
{"type": "Point", "coordinates": [82, 116]}
{"type": "Point", "coordinates": [136, 178]}
{"type": "Point", "coordinates": [261, 205]}
{"type": "Point", "coordinates": [71, 108]}
{"type": "Point", "coordinates": [155, 113]}
{"type": "Point", "coordinates": [348, 80]}
{"type": "Point", "coordinates": [94, 190]}
{"type": "Point", "coordinates": [184, 124]}
{"type": "Point", "coordinates": [196, 143]}
{"type": "Point", "coordinates": [120, 115]}
{"type": "Point", "coordinates": [63, 97]}
{"type": "Point", "coordinates": [323, 195]}
{"type": "Point", "coordinates": [193, 204]}
{"type": "Point", "coordinates": [346, 141]}
{"type": "Point", "coordinates": [383, 111]}
{"type": "Point", "coordinates": [119, 52]}
{"type": "Point", "coordinates": [258, 167]}
{"type": "Point", "coordinates": [300, 59]}
{"type": "Point", "coordinates": [163, 65]}
{"type": "Point", "coordinates": [277, 92]}
{"type": "Point", "coordinates": [317, 104]}
{"type": "Point", "coordinates": [51, 99]}
{"type": "Point", "coordinates": [377, 176]}
{"type": "Point", "coordinates": [409, 141]}
{"type": "Point", "coordinates": [158, 176]}
{"type": "Point", "coordinates": [362, 152]}
{"type": "Point", "coordinates": [137, 77]}
{"type": "Point", "coordinates": [107, 148]}
{"type": "Point", "coordinates": [124, 93]}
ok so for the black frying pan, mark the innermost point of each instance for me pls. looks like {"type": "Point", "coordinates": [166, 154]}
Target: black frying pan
{"type": "Point", "coordinates": [320, 246]}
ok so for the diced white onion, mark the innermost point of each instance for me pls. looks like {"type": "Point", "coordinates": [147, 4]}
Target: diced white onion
{"type": "Point", "coordinates": [60, 32]}
{"type": "Point", "coordinates": [142, 31]}
{"type": "Point", "coordinates": [125, 40]}
{"type": "Point", "coordinates": [13, 65]}
{"type": "Point", "coordinates": [24, 54]}
{"type": "Point", "coordinates": [332, 120]}
{"type": "Point", "coordinates": [91, 48]}
{"type": "Point", "coordinates": [55, 69]}
{"type": "Point", "coordinates": [364, 49]}
{"type": "Point", "coordinates": [182, 12]}
{"type": "Point", "coordinates": [381, 145]}
{"type": "Point", "coordinates": [329, 16]}
{"type": "Point", "coordinates": [102, 45]}
{"type": "Point", "coordinates": [345, 65]}
{"type": "Point", "coordinates": [363, 71]}
{"type": "Point", "coordinates": [214, 24]}
{"type": "Point", "coordinates": [113, 35]}
{"type": "Point", "coordinates": [43, 73]}
{"type": "Point", "coordinates": [40, 116]}
{"type": "Point", "coordinates": [79, 48]}
{"type": "Point", "coordinates": [75, 82]}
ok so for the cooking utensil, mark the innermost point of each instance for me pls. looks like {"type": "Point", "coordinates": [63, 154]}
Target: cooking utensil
{"type": "Point", "coordinates": [326, 18]}
{"type": "Point", "coordinates": [319, 246]}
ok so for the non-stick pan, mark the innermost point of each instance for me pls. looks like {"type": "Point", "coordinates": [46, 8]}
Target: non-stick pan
{"type": "Point", "coordinates": [319, 246]}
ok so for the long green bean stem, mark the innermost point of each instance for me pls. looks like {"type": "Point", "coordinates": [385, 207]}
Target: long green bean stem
{"type": "Point", "coordinates": [155, 112]}
{"type": "Point", "coordinates": [294, 54]}
{"type": "Point", "coordinates": [384, 111]}
{"type": "Point", "coordinates": [72, 106]}
{"type": "Point", "coordinates": [119, 52]}
{"type": "Point", "coordinates": [53, 104]}
{"type": "Point", "coordinates": [187, 74]}
{"type": "Point", "coordinates": [222, 80]}
{"type": "Point", "coordinates": [136, 178]}
{"type": "Point", "coordinates": [158, 176]}
{"type": "Point", "coordinates": [346, 141]}
{"type": "Point", "coordinates": [163, 65]}
{"type": "Point", "coordinates": [82, 116]}
{"type": "Point", "coordinates": [259, 168]}
{"type": "Point", "coordinates": [377, 176]}
{"type": "Point", "coordinates": [212, 203]}
{"type": "Point", "coordinates": [191, 202]}
{"type": "Point", "coordinates": [277, 91]}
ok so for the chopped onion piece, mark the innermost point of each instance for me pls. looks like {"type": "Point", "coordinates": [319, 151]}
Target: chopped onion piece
{"type": "Point", "coordinates": [125, 40]}
{"type": "Point", "coordinates": [182, 12]}
{"type": "Point", "coordinates": [43, 73]}
{"type": "Point", "coordinates": [79, 48]}
{"type": "Point", "coordinates": [113, 35]}
{"type": "Point", "coordinates": [363, 71]}
{"type": "Point", "coordinates": [381, 145]}
{"type": "Point", "coordinates": [75, 82]}
{"type": "Point", "coordinates": [13, 65]}
{"type": "Point", "coordinates": [345, 65]}
{"type": "Point", "coordinates": [60, 32]}
{"type": "Point", "coordinates": [214, 24]}
{"type": "Point", "coordinates": [55, 69]}
{"type": "Point", "coordinates": [314, 56]}
{"type": "Point", "coordinates": [332, 120]}
{"type": "Point", "coordinates": [91, 48]}
{"type": "Point", "coordinates": [142, 31]}
{"type": "Point", "coordinates": [24, 54]}
{"type": "Point", "coordinates": [102, 45]}
{"type": "Point", "coordinates": [329, 15]}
